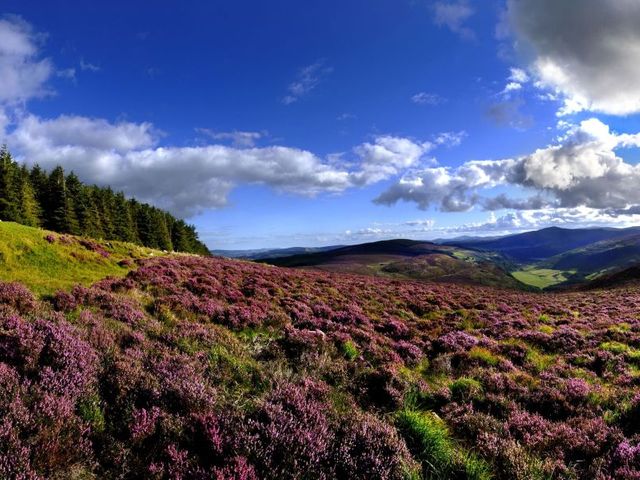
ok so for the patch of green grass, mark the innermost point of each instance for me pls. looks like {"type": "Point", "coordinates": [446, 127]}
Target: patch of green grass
{"type": "Point", "coordinates": [542, 277]}
{"type": "Point", "coordinates": [350, 350]}
{"type": "Point", "coordinates": [27, 257]}
{"type": "Point", "coordinates": [632, 354]}
{"type": "Point", "coordinates": [620, 328]}
{"type": "Point", "coordinates": [429, 441]}
{"type": "Point", "coordinates": [484, 355]}
{"type": "Point", "coordinates": [539, 361]}
{"type": "Point", "coordinates": [464, 389]}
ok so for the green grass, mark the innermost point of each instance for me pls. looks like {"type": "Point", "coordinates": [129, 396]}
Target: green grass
{"type": "Point", "coordinates": [429, 440]}
{"type": "Point", "coordinates": [350, 350]}
{"type": "Point", "coordinates": [27, 257]}
{"type": "Point", "coordinates": [541, 277]}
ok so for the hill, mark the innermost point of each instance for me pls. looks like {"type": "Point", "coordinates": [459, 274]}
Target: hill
{"type": "Point", "coordinates": [409, 259]}
{"type": "Point", "coordinates": [47, 262]}
{"type": "Point", "coordinates": [268, 253]}
{"type": "Point", "coordinates": [532, 247]}
{"type": "Point", "coordinates": [204, 368]}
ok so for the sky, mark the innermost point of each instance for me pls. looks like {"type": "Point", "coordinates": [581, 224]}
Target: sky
{"type": "Point", "coordinates": [288, 123]}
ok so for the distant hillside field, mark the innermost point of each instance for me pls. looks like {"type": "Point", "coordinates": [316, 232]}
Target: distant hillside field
{"type": "Point", "coordinates": [47, 261]}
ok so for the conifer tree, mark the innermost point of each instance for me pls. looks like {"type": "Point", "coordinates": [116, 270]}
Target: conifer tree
{"type": "Point", "coordinates": [28, 206]}
{"type": "Point", "coordinates": [9, 201]}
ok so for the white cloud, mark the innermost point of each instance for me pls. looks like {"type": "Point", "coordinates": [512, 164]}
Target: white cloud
{"type": "Point", "coordinates": [518, 76]}
{"type": "Point", "coordinates": [237, 138]}
{"type": "Point", "coordinates": [587, 52]}
{"type": "Point", "coordinates": [22, 73]}
{"type": "Point", "coordinates": [386, 157]}
{"type": "Point", "coordinates": [308, 78]}
{"type": "Point", "coordinates": [581, 170]}
{"type": "Point", "coordinates": [450, 139]}
{"type": "Point", "coordinates": [187, 180]}
{"type": "Point", "coordinates": [88, 66]}
{"type": "Point", "coordinates": [424, 98]}
{"type": "Point", "coordinates": [454, 16]}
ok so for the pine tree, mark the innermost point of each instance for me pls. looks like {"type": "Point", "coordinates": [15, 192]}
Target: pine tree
{"type": "Point", "coordinates": [9, 201]}
{"type": "Point", "coordinates": [123, 226]}
{"type": "Point", "coordinates": [63, 217]}
{"type": "Point", "coordinates": [29, 208]}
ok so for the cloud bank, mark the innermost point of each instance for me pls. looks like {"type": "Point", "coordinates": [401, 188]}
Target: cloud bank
{"type": "Point", "coordinates": [581, 169]}
{"type": "Point", "coordinates": [587, 52]}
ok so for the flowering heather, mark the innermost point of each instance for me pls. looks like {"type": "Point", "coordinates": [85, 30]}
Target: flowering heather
{"type": "Point", "coordinates": [202, 368]}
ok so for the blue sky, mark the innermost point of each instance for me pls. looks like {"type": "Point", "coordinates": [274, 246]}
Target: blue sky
{"type": "Point", "coordinates": [287, 123]}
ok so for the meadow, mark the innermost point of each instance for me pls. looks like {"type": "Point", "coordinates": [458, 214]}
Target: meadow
{"type": "Point", "coordinates": [200, 368]}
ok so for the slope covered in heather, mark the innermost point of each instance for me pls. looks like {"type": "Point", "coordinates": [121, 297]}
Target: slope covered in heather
{"type": "Point", "coordinates": [204, 368]}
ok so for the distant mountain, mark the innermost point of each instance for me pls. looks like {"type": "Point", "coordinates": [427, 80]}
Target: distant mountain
{"type": "Point", "coordinates": [267, 253]}
{"type": "Point", "coordinates": [543, 244]}
{"type": "Point", "coordinates": [409, 259]}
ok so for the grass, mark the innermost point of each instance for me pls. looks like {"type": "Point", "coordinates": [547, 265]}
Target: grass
{"type": "Point", "coordinates": [542, 277]}
{"type": "Point", "coordinates": [27, 257]}
{"type": "Point", "coordinates": [350, 350]}
{"type": "Point", "coordinates": [429, 440]}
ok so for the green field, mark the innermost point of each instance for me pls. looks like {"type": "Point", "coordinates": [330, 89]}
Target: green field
{"type": "Point", "coordinates": [542, 277]}
{"type": "Point", "coordinates": [26, 256]}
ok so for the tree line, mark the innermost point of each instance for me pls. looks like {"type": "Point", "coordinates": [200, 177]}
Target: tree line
{"type": "Point", "coordinates": [62, 203]}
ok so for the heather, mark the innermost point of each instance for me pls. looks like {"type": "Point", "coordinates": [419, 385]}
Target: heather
{"type": "Point", "coordinates": [203, 368]}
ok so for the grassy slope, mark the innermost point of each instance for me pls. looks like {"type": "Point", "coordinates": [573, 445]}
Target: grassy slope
{"type": "Point", "coordinates": [27, 257]}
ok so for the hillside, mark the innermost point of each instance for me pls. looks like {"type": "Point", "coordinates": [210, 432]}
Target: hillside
{"type": "Point", "coordinates": [205, 368]}
{"type": "Point", "coordinates": [616, 279]}
{"type": "Point", "coordinates": [409, 259]}
{"type": "Point", "coordinates": [47, 262]}
{"type": "Point", "coordinates": [532, 247]}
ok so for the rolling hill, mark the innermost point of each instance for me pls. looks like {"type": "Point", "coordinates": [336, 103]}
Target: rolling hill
{"type": "Point", "coordinates": [533, 247]}
{"type": "Point", "coordinates": [409, 259]}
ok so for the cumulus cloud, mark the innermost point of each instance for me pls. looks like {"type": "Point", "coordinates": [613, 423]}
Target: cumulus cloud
{"type": "Point", "coordinates": [454, 16]}
{"type": "Point", "coordinates": [23, 74]}
{"type": "Point", "coordinates": [586, 53]}
{"type": "Point", "coordinates": [387, 156]}
{"type": "Point", "coordinates": [308, 78]}
{"type": "Point", "coordinates": [582, 169]}
{"type": "Point", "coordinates": [187, 180]}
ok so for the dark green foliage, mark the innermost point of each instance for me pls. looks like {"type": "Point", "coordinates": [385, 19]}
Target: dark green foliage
{"type": "Point", "coordinates": [62, 203]}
